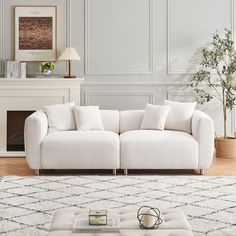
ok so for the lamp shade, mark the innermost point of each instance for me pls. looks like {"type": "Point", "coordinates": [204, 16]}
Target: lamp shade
{"type": "Point", "coordinates": [69, 54]}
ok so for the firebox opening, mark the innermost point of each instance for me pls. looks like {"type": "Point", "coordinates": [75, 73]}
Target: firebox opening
{"type": "Point", "coordinates": [15, 129]}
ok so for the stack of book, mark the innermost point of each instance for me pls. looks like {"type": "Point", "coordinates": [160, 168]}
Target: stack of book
{"type": "Point", "coordinates": [15, 69]}
{"type": "Point", "coordinates": [81, 225]}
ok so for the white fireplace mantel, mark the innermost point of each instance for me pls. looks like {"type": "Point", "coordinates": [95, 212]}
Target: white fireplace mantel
{"type": "Point", "coordinates": [33, 94]}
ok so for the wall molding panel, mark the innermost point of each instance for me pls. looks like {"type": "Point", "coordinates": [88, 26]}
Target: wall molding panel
{"type": "Point", "coordinates": [89, 70]}
{"type": "Point", "coordinates": [181, 69]}
{"type": "Point", "coordinates": [91, 96]}
{"type": "Point", "coordinates": [134, 83]}
{"type": "Point", "coordinates": [1, 37]}
{"type": "Point", "coordinates": [172, 95]}
{"type": "Point", "coordinates": [68, 23]}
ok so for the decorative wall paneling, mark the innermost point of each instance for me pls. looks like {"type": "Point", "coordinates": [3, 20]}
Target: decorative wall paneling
{"type": "Point", "coordinates": [137, 99]}
{"type": "Point", "coordinates": [76, 32]}
{"type": "Point", "coordinates": [119, 37]}
{"type": "Point", "coordinates": [1, 36]}
{"type": "Point", "coordinates": [190, 25]}
{"type": "Point", "coordinates": [122, 96]}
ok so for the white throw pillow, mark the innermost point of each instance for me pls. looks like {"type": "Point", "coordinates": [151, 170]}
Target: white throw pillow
{"type": "Point", "coordinates": [180, 115]}
{"type": "Point", "coordinates": [60, 117]}
{"type": "Point", "coordinates": [155, 117]}
{"type": "Point", "coordinates": [88, 118]}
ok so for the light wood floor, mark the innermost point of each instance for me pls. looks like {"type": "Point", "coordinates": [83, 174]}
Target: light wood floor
{"type": "Point", "coordinates": [18, 166]}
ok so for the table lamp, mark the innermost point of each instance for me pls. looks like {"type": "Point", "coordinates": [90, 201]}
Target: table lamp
{"type": "Point", "coordinates": [69, 54]}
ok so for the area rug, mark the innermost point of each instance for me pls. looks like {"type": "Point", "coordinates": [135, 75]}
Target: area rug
{"type": "Point", "coordinates": [27, 204]}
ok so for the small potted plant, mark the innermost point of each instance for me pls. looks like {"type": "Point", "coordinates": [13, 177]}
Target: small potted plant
{"type": "Point", "coordinates": [47, 68]}
{"type": "Point", "coordinates": [216, 79]}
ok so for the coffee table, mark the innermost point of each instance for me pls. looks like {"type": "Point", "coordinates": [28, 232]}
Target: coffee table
{"type": "Point", "coordinates": [174, 223]}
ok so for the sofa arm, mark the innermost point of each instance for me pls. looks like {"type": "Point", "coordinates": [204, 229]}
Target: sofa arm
{"type": "Point", "coordinates": [36, 128]}
{"type": "Point", "coordinates": [203, 131]}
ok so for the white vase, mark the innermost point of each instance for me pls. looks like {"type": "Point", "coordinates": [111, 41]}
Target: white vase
{"type": "Point", "coordinates": [47, 72]}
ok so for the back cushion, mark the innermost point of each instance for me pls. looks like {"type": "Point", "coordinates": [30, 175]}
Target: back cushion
{"type": "Point", "coordinates": [110, 120]}
{"type": "Point", "coordinates": [180, 115]}
{"type": "Point", "coordinates": [130, 120]}
{"type": "Point", "coordinates": [60, 117]}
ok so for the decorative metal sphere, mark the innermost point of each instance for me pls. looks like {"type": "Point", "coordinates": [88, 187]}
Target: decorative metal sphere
{"type": "Point", "coordinates": [146, 211]}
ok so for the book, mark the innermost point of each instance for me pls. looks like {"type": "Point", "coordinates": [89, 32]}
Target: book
{"type": "Point", "coordinates": [22, 70]}
{"type": "Point", "coordinates": [8, 69]}
{"type": "Point", "coordinates": [81, 225]}
{"type": "Point", "coordinates": [98, 217]}
{"type": "Point", "coordinates": [13, 69]}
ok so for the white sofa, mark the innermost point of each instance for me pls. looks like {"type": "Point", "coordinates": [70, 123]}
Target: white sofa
{"type": "Point", "coordinates": [121, 145]}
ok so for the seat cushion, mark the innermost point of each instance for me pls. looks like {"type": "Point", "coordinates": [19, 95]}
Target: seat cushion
{"type": "Point", "coordinates": [153, 149]}
{"type": "Point", "coordinates": [81, 150]}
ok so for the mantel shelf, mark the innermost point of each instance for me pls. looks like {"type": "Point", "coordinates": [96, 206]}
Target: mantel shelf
{"type": "Point", "coordinates": [42, 78]}
{"type": "Point", "coordinates": [41, 82]}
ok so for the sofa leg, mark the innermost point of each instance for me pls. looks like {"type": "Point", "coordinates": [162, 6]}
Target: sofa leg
{"type": "Point", "coordinates": [201, 171]}
{"type": "Point", "coordinates": [126, 171]}
{"type": "Point", "coordinates": [36, 172]}
{"type": "Point", "coordinates": [114, 171]}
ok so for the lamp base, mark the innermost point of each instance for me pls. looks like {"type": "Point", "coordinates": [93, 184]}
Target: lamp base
{"type": "Point", "coordinates": [70, 77]}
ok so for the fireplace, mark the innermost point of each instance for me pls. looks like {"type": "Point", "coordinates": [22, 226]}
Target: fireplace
{"type": "Point", "coordinates": [28, 95]}
{"type": "Point", "coordinates": [15, 129]}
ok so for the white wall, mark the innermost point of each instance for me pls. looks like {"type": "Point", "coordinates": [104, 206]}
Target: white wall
{"type": "Point", "coordinates": [133, 51]}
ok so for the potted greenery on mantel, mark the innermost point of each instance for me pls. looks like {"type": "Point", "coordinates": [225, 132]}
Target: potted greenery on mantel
{"type": "Point", "coordinates": [216, 79]}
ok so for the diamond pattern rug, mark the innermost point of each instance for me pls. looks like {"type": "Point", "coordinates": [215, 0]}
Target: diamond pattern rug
{"type": "Point", "coordinates": [27, 204]}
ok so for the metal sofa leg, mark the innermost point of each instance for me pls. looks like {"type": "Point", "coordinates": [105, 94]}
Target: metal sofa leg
{"type": "Point", "coordinates": [36, 172]}
{"type": "Point", "coordinates": [126, 171]}
{"type": "Point", "coordinates": [114, 171]}
{"type": "Point", "coordinates": [202, 171]}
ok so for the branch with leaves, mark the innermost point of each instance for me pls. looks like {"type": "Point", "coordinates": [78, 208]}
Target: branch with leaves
{"type": "Point", "coordinates": [217, 77]}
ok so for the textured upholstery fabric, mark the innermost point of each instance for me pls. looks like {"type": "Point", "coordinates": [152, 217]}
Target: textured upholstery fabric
{"type": "Point", "coordinates": [141, 149]}
{"type": "Point", "coordinates": [180, 115]}
{"type": "Point", "coordinates": [150, 149]}
{"type": "Point", "coordinates": [169, 232]}
{"type": "Point", "coordinates": [88, 118]}
{"type": "Point", "coordinates": [36, 128]}
{"type": "Point", "coordinates": [130, 120]}
{"type": "Point", "coordinates": [81, 150]}
{"type": "Point", "coordinates": [174, 223]}
{"type": "Point", "coordinates": [60, 117]}
{"type": "Point", "coordinates": [203, 131]}
{"type": "Point", "coordinates": [154, 117]}
{"type": "Point", "coordinates": [110, 120]}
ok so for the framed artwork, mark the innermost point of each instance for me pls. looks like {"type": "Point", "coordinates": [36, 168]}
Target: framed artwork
{"type": "Point", "coordinates": [35, 33]}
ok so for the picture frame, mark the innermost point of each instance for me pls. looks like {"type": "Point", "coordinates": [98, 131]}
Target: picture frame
{"type": "Point", "coordinates": [35, 33]}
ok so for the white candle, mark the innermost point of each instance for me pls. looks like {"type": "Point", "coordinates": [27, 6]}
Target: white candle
{"type": "Point", "coordinates": [148, 220]}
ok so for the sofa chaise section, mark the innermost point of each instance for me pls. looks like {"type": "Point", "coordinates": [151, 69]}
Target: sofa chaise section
{"type": "Point", "coordinates": [153, 149]}
{"type": "Point", "coordinates": [81, 150]}
{"type": "Point", "coordinates": [92, 149]}
{"type": "Point", "coordinates": [168, 149]}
